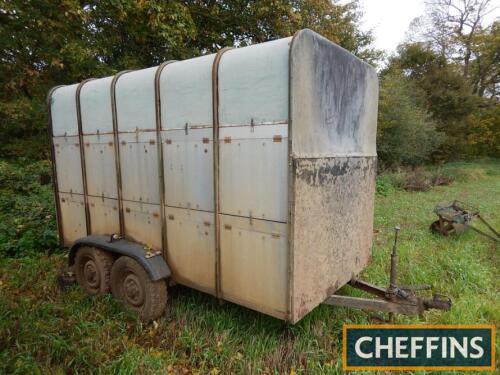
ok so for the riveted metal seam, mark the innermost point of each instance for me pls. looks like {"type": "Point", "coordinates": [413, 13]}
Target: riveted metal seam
{"type": "Point", "coordinates": [291, 186]}
{"type": "Point", "coordinates": [82, 155]}
{"type": "Point", "coordinates": [164, 238]}
{"type": "Point", "coordinates": [215, 121]}
{"type": "Point", "coordinates": [117, 150]}
{"type": "Point", "coordinates": [55, 185]}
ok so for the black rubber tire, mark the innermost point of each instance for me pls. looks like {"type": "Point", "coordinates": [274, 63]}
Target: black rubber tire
{"type": "Point", "coordinates": [93, 270]}
{"type": "Point", "coordinates": [131, 285]}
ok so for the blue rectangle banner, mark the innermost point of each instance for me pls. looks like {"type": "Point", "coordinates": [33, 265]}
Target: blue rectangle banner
{"type": "Point", "coordinates": [418, 347]}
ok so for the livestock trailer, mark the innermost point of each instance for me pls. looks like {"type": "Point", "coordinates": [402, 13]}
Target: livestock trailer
{"type": "Point", "coordinates": [247, 174]}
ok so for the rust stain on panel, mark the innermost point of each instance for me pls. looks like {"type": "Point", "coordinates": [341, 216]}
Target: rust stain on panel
{"type": "Point", "coordinates": [188, 170]}
{"type": "Point", "coordinates": [73, 217]}
{"type": "Point", "coordinates": [104, 215]}
{"type": "Point", "coordinates": [69, 169]}
{"type": "Point", "coordinates": [139, 168]}
{"type": "Point", "coordinates": [141, 224]}
{"type": "Point", "coordinates": [101, 166]}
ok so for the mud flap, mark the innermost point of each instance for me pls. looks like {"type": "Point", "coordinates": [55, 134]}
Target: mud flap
{"type": "Point", "coordinates": [152, 261]}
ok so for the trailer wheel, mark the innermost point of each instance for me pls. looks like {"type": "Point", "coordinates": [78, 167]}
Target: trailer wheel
{"type": "Point", "coordinates": [93, 269]}
{"type": "Point", "coordinates": [132, 286]}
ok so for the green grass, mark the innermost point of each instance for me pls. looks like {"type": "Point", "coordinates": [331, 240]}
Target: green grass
{"type": "Point", "coordinates": [44, 330]}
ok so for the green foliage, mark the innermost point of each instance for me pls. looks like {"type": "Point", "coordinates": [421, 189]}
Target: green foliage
{"type": "Point", "coordinates": [469, 122]}
{"type": "Point", "coordinates": [447, 93]}
{"type": "Point", "coordinates": [44, 330]}
{"type": "Point", "coordinates": [483, 130]}
{"type": "Point", "coordinates": [27, 215]}
{"type": "Point", "coordinates": [484, 72]}
{"type": "Point", "coordinates": [406, 132]}
{"type": "Point", "coordinates": [47, 43]}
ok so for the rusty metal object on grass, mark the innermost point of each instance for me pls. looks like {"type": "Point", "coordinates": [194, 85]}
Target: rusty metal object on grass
{"type": "Point", "coordinates": [66, 279]}
{"type": "Point", "coordinates": [457, 217]}
{"type": "Point", "coordinates": [394, 298]}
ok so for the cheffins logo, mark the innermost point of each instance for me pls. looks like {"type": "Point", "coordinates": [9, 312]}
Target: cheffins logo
{"type": "Point", "coordinates": [419, 347]}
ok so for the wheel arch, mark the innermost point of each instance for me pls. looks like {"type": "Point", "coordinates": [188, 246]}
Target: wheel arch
{"type": "Point", "coordinates": [155, 266]}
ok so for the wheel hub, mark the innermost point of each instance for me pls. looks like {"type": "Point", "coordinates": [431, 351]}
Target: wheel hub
{"type": "Point", "coordinates": [91, 274]}
{"type": "Point", "coordinates": [133, 290]}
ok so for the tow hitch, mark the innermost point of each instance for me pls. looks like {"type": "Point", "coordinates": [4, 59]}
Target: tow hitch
{"type": "Point", "coordinates": [393, 299]}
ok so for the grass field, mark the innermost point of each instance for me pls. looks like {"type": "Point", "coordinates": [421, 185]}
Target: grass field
{"type": "Point", "coordinates": [44, 330]}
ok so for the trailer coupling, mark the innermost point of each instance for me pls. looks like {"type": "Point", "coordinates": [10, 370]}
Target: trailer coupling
{"type": "Point", "coordinates": [394, 298]}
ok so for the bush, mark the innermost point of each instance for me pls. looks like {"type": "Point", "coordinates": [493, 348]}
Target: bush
{"type": "Point", "coordinates": [407, 134]}
{"type": "Point", "coordinates": [483, 131]}
{"type": "Point", "coordinates": [27, 213]}
{"type": "Point", "coordinates": [417, 179]}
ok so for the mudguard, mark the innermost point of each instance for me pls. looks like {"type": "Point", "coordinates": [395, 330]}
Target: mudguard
{"type": "Point", "coordinates": [152, 261]}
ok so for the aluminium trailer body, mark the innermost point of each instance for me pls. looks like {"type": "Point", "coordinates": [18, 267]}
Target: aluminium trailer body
{"type": "Point", "coordinates": [250, 172]}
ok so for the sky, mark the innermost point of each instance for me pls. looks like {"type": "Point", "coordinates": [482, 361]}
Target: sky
{"type": "Point", "coordinates": [390, 19]}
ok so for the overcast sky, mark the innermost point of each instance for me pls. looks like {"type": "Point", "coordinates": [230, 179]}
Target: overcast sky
{"type": "Point", "coordinates": [390, 19]}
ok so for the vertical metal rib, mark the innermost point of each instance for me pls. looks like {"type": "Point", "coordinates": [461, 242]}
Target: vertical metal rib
{"type": "Point", "coordinates": [291, 188]}
{"type": "Point", "coordinates": [55, 186]}
{"type": "Point", "coordinates": [215, 120]}
{"type": "Point", "coordinates": [82, 154]}
{"type": "Point", "coordinates": [117, 150]}
{"type": "Point", "coordinates": [164, 239]}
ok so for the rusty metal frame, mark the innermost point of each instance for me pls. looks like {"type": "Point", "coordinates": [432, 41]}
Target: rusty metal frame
{"type": "Point", "coordinates": [403, 301]}
{"type": "Point", "coordinates": [463, 214]}
{"type": "Point", "coordinates": [55, 185]}
{"type": "Point", "coordinates": [88, 224]}
{"type": "Point", "coordinates": [291, 186]}
{"type": "Point", "coordinates": [393, 299]}
{"type": "Point", "coordinates": [215, 151]}
{"type": "Point", "coordinates": [117, 150]}
{"type": "Point", "coordinates": [164, 239]}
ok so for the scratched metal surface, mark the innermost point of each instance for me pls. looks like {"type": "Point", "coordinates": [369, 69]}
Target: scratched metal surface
{"type": "Point", "coordinates": [186, 93]}
{"type": "Point", "coordinates": [142, 223]}
{"type": "Point", "coordinates": [69, 168]}
{"type": "Point", "coordinates": [191, 252]}
{"type": "Point", "coordinates": [72, 217]}
{"type": "Point", "coordinates": [100, 165]}
{"type": "Point", "coordinates": [63, 111]}
{"type": "Point", "coordinates": [254, 264]}
{"type": "Point", "coordinates": [95, 106]}
{"type": "Point", "coordinates": [253, 171]}
{"type": "Point", "coordinates": [103, 215]}
{"type": "Point", "coordinates": [253, 84]}
{"type": "Point", "coordinates": [188, 168]}
{"type": "Point", "coordinates": [139, 167]}
{"type": "Point", "coordinates": [135, 100]}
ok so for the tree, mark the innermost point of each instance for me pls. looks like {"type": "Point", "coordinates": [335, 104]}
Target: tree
{"type": "Point", "coordinates": [485, 64]}
{"type": "Point", "coordinates": [406, 132]}
{"type": "Point", "coordinates": [45, 43]}
{"type": "Point", "coordinates": [451, 27]}
{"type": "Point", "coordinates": [483, 131]}
{"type": "Point", "coordinates": [446, 94]}
{"type": "Point", "coordinates": [244, 22]}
